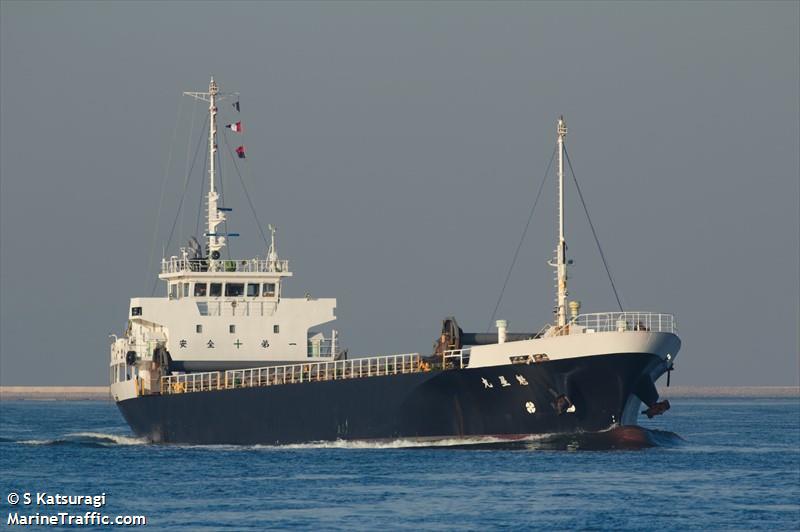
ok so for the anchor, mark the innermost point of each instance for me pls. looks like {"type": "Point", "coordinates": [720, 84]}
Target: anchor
{"type": "Point", "coordinates": [647, 393]}
{"type": "Point", "coordinates": [656, 409]}
{"type": "Point", "coordinates": [562, 404]}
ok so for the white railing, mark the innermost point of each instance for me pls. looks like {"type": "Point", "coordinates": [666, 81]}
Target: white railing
{"type": "Point", "coordinates": [626, 321]}
{"type": "Point", "coordinates": [456, 358]}
{"type": "Point", "coordinates": [181, 265]}
{"type": "Point", "coordinates": [293, 373]}
{"type": "Point", "coordinates": [192, 382]}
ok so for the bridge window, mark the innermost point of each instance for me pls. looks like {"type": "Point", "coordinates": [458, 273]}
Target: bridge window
{"type": "Point", "coordinates": [198, 328]}
{"type": "Point", "coordinates": [269, 290]}
{"type": "Point", "coordinates": [232, 329]}
{"type": "Point", "coordinates": [185, 289]}
{"type": "Point", "coordinates": [200, 289]}
{"type": "Point", "coordinates": [276, 329]}
{"type": "Point", "coordinates": [252, 290]}
{"type": "Point", "coordinates": [234, 289]}
{"type": "Point", "coordinates": [136, 311]}
{"type": "Point", "coordinates": [173, 291]}
{"type": "Point", "coordinates": [215, 289]}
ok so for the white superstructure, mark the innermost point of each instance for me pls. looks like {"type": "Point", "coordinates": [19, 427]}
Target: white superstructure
{"type": "Point", "coordinates": [219, 314]}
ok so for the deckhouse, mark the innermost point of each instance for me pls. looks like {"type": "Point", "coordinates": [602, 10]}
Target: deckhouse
{"type": "Point", "coordinates": [218, 313]}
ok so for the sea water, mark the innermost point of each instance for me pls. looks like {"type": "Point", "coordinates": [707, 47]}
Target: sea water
{"type": "Point", "coordinates": [720, 464]}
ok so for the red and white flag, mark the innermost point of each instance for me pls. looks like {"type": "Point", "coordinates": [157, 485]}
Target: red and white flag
{"type": "Point", "coordinates": [236, 128]}
{"type": "Point", "coordinates": [240, 152]}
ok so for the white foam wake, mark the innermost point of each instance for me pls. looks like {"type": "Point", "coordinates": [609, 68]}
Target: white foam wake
{"type": "Point", "coordinates": [116, 439]}
{"type": "Point", "coordinates": [405, 443]}
{"type": "Point", "coordinates": [88, 438]}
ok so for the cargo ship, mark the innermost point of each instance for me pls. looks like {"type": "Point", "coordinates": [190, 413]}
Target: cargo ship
{"type": "Point", "coordinates": [224, 357]}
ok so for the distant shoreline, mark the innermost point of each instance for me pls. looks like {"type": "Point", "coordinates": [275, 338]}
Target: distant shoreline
{"type": "Point", "coordinates": [55, 393]}
{"type": "Point", "coordinates": [101, 393]}
{"type": "Point", "coordinates": [729, 391]}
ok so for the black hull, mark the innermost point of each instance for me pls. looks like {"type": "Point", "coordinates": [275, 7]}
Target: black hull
{"type": "Point", "coordinates": [417, 406]}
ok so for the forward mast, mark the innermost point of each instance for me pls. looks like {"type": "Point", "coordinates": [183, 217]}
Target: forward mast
{"type": "Point", "coordinates": [561, 251]}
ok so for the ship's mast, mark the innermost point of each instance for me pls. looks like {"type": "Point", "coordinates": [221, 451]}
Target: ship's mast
{"type": "Point", "coordinates": [561, 251]}
{"type": "Point", "coordinates": [215, 242]}
{"type": "Point", "coordinates": [215, 216]}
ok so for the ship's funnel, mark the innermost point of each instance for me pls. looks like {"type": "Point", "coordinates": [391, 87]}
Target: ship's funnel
{"type": "Point", "coordinates": [502, 326]}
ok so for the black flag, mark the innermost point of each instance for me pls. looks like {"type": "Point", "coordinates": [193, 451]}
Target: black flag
{"type": "Point", "coordinates": [236, 105]}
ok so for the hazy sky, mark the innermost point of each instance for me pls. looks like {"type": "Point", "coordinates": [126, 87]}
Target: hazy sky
{"type": "Point", "coordinates": [398, 148]}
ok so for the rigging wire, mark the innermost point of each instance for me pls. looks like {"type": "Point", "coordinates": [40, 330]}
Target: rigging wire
{"type": "Point", "coordinates": [522, 239]}
{"type": "Point", "coordinates": [186, 178]}
{"type": "Point", "coordinates": [594, 233]}
{"type": "Point", "coordinates": [246, 193]}
{"type": "Point", "coordinates": [180, 204]}
{"type": "Point", "coordinates": [163, 191]}
{"type": "Point", "coordinates": [200, 201]}
{"type": "Point", "coordinates": [222, 198]}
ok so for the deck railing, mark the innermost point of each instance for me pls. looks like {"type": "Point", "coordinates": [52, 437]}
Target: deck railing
{"type": "Point", "coordinates": [181, 265]}
{"type": "Point", "coordinates": [613, 322]}
{"type": "Point", "coordinates": [355, 368]}
{"type": "Point", "coordinates": [456, 358]}
{"type": "Point", "coordinates": [192, 382]}
{"type": "Point", "coordinates": [626, 321]}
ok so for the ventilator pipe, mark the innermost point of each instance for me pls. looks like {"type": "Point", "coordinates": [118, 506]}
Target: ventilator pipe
{"type": "Point", "coordinates": [502, 325]}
